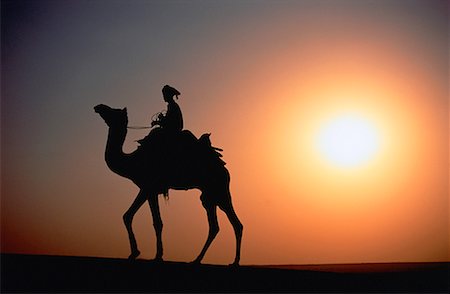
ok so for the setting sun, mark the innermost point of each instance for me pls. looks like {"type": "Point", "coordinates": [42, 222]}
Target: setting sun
{"type": "Point", "coordinates": [348, 141]}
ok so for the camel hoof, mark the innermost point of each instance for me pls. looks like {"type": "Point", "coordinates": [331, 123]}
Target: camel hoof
{"type": "Point", "coordinates": [134, 255]}
{"type": "Point", "coordinates": [195, 262]}
{"type": "Point", "coordinates": [158, 259]}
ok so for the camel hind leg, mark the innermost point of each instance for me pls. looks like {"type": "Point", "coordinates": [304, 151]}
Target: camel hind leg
{"type": "Point", "coordinates": [211, 211]}
{"type": "Point", "coordinates": [227, 207]}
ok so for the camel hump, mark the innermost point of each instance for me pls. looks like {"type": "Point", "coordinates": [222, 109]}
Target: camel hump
{"type": "Point", "coordinates": [180, 147]}
{"type": "Point", "coordinates": [188, 135]}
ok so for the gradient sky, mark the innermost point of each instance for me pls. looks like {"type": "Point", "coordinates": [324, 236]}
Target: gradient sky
{"type": "Point", "coordinates": [262, 77]}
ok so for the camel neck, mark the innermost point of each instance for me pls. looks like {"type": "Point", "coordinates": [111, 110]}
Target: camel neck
{"type": "Point", "coordinates": [116, 138]}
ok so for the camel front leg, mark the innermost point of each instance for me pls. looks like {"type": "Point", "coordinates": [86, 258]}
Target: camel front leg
{"type": "Point", "coordinates": [157, 224]}
{"type": "Point", "coordinates": [128, 220]}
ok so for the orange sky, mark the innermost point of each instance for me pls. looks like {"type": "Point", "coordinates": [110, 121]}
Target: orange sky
{"type": "Point", "coordinates": [262, 77]}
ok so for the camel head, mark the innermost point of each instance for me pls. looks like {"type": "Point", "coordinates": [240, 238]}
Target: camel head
{"type": "Point", "coordinates": [113, 117]}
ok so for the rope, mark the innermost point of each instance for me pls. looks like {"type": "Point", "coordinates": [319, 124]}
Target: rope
{"type": "Point", "coordinates": [138, 128]}
{"type": "Point", "coordinates": [154, 117]}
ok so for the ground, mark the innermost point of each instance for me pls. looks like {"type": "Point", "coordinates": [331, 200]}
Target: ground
{"type": "Point", "coordinates": [37, 273]}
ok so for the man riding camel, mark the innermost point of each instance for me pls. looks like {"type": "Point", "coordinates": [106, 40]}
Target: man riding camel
{"type": "Point", "coordinates": [170, 145]}
{"type": "Point", "coordinates": [173, 120]}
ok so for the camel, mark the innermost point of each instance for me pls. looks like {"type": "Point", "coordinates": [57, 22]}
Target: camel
{"type": "Point", "coordinates": [197, 168]}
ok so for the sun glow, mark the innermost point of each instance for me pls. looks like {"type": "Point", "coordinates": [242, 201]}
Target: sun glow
{"type": "Point", "coordinates": [348, 141]}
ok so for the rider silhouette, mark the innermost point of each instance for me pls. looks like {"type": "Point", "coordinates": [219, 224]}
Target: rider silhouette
{"type": "Point", "coordinates": [170, 124]}
{"type": "Point", "coordinates": [173, 120]}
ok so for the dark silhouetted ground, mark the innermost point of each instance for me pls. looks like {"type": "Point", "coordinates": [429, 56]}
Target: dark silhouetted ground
{"type": "Point", "coordinates": [37, 273]}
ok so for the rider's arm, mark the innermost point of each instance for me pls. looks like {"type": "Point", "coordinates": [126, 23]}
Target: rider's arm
{"type": "Point", "coordinates": [159, 121]}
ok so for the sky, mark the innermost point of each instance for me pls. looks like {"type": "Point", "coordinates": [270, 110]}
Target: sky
{"type": "Point", "coordinates": [269, 80]}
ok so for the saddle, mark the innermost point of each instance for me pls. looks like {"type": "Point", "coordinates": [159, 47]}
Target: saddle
{"type": "Point", "coordinates": [213, 152]}
{"type": "Point", "coordinates": [176, 147]}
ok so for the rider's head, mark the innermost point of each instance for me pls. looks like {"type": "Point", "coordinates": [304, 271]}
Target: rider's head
{"type": "Point", "coordinates": [169, 92]}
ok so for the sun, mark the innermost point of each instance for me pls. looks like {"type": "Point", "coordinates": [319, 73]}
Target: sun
{"type": "Point", "coordinates": [348, 141]}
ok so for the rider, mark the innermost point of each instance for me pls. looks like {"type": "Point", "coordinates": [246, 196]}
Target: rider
{"type": "Point", "coordinates": [169, 124]}
{"type": "Point", "coordinates": [173, 120]}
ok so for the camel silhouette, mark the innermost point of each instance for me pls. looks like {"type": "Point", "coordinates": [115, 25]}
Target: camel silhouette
{"type": "Point", "coordinates": [192, 164]}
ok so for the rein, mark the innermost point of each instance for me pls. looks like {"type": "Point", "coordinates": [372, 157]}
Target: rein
{"type": "Point", "coordinates": [138, 128]}
{"type": "Point", "coordinates": [143, 128]}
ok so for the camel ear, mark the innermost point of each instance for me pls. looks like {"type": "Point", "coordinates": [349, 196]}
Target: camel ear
{"type": "Point", "coordinates": [124, 109]}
